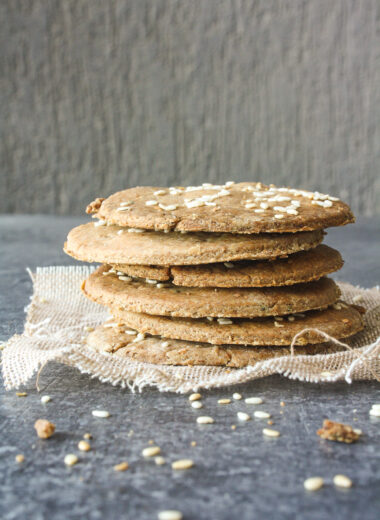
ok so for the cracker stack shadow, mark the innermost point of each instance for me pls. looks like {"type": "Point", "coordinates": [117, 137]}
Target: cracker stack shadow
{"type": "Point", "coordinates": [214, 275]}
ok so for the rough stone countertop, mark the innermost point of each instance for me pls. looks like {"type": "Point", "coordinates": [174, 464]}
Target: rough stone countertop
{"type": "Point", "coordinates": [237, 474]}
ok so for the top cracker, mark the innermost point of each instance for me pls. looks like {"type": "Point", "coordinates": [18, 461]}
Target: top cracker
{"type": "Point", "coordinates": [247, 207]}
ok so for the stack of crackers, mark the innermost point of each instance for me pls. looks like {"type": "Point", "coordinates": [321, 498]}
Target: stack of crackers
{"type": "Point", "coordinates": [223, 275]}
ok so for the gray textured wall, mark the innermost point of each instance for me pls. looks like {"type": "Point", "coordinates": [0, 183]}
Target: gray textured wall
{"type": "Point", "coordinates": [96, 95]}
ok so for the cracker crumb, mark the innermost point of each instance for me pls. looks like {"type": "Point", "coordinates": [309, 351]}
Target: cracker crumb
{"type": "Point", "coordinates": [84, 446]}
{"type": "Point", "coordinates": [334, 431]}
{"type": "Point", "coordinates": [87, 436]}
{"type": "Point", "coordinates": [44, 428]}
{"type": "Point", "coordinates": [70, 459]}
{"type": "Point", "coordinates": [21, 394]}
{"type": "Point", "coordinates": [183, 464]}
{"type": "Point", "coordinates": [19, 458]}
{"type": "Point", "coordinates": [151, 451]}
{"type": "Point", "coordinates": [122, 466]}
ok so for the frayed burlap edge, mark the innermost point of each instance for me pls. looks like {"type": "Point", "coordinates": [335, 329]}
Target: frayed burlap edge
{"type": "Point", "coordinates": [58, 316]}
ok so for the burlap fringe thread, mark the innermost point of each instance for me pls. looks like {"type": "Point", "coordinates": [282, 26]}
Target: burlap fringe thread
{"type": "Point", "coordinates": [58, 316]}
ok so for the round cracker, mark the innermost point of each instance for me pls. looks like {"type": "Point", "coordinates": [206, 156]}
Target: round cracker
{"type": "Point", "coordinates": [104, 244]}
{"type": "Point", "coordinates": [339, 322]}
{"type": "Point", "coordinates": [196, 302]}
{"type": "Point", "coordinates": [231, 208]}
{"type": "Point", "coordinates": [305, 266]}
{"type": "Point", "coordinates": [113, 340]}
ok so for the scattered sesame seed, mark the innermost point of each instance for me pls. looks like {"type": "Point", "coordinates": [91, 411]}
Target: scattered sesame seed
{"type": "Point", "coordinates": [87, 436]}
{"type": "Point", "coordinates": [236, 396]}
{"type": "Point", "coordinates": [204, 419]}
{"type": "Point", "coordinates": [268, 432]}
{"type": "Point", "coordinates": [250, 205]}
{"type": "Point", "coordinates": [229, 265]}
{"type": "Point", "coordinates": [70, 459]}
{"type": "Point", "coordinates": [197, 404]}
{"type": "Point", "coordinates": [342, 481]}
{"type": "Point", "coordinates": [21, 394]}
{"type": "Point", "coordinates": [164, 344]}
{"type": "Point", "coordinates": [151, 451]}
{"type": "Point", "coordinates": [282, 403]}
{"type": "Point", "coordinates": [182, 464]}
{"type": "Point", "coordinates": [149, 280]}
{"type": "Point", "coordinates": [242, 416]}
{"type": "Point", "coordinates": [159, 192]}
{"type": "Point", "coordinates": [123, 208]}
{"type": "Point", "coordinates": [161, 285]}
{"type": "Point", "coordinates": [193, 443]}
{"type": "Point", "coordinates": [122, 466]}
{"type": "Point", "coordinates": [140, 336]}
{"type": "Point", "coordinates": [233, 426]}
{"type": "Point", "coordinates": [253, 400]}
{"type": "Point", "coordinates": [160, 461]}
{"type": "Point", "coordinates": [135, 230]}
{"type": "Point", "coordinates": [126, 203]}
{"type": "Point", "coordinates": [374, 407]}
{"type": "Point", "coordinates": [224, 321]}
{"type": "Point", "coordinates": [292, 211]}
{"type": "Point", "coordinates": [259, 414]}
{"type": "Point", "coordinates": [259, 210]}
{"type": "Point", "coordinates": [130, 332]}
{"type": "Point", "coordinates": [45, 399]}
{"type": "Point", "coordinates": [313, 483]}
{"type": "Point", "coordinates": [279, 215]}
{"type": "Point", "coordinates": [170, 514]}
{"type": "Point", "coordinates": [194, 397]}
{"type": "Point", "coordinates": [151, 203]}
{"type": "Point", "coordinates": [264, 205]}
{"type": "Point", "coordinates": [100, 413]}
{"type": "Point", "coordinates": [84, 446]}
{"type": "Point", "coordinates": [101, 222]}
{"type": "Point", "coordinates": [279, 318]}
{"type": "Point", "coordinates": [291, 318]}
{"type": "Point", "coordinates": [374, 412]}
{"type": "Point", "coordinates": [229, 183]}
{"type": "Point", "coordinates": [224, 401]}
{"type": "Point", "coordinates": [20, 458]}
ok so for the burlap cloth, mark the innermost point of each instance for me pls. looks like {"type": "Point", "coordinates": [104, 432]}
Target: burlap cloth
{"type": "Point", "coordinates": [58, 315]}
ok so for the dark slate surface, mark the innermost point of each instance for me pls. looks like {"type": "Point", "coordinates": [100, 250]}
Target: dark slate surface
{"type": "Point", "coordinates": [237, 474]}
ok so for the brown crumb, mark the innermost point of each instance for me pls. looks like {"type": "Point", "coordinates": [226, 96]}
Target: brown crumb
{"type": "Point", "coordinates": [282, 403]}
{"type": "Point", "coordinates": [87, 436]}
{"type": "Point", "coordinates": [94, 206]}
{"type": "Point", "coordinates": [20, 458]}
{"type": "Point", "coordinates": [334, 431]}
{"type": "Point", "coordinates": [44, 428]}
{"type": "Point", "coordinates": [121, 467]}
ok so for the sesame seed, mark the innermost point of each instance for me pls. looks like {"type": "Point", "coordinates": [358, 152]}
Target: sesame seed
{"type": "Point", "coordinates": [170, 514]}
{"type": "Point", "coordinates": [193, 443]}
{"type": "Point", "coordinates": [122, 466]}
{"type": "Point", "coordinates": [151, 451]}
{"type": "Point", "coordinates": [242, 416]}
{"type": "Point", "coordinates": [342, 481]}
{"type": "Point", "coordinates": [151, 203]}
{"type": "Point", "coordinates": [259, 414]}
{"type": "Point", "coordinates": [125, 278]}
{"type": "Point", "coordinates": [84, 446]}
{"type": "Point", "coordinates": [45, 399]}
{"type": "Point", "coordinates": [161, 285]}
{"type": "Point", "coordinates": [313, 483]}
{"type": "Point", "coordinates": [223, 193]}
{"type": "Point", "coordinates": [357, 298]}
{"type": "Point", "coordinates": [197, 404]}
{"type": "Point", "coordinates": [195, 203]}
{"type": "Point", "coordinates": [224, 401]}
{"type": "Point", "coordinates": [204, 419]}
{"type": "Point", "coordinates": [87, 436]}
{"type": "Point", "coordinates": [264, 205]}
{"type": "Point", "coordinates": [236, 396]}
{"type": "Point", "coordinates": [278, 324]}
{"type": "Point", "coordinates": [123, 208]}
{"type": "Point", "coordinates": [164, 344]}
{"type": "Point", "coordinates": [100, 223]}
{"type": "Point", "coordinates": [20, 458]}
{"type": "Point", "coordinates": [100, 413]}
{"type": "Point", "coordinates": [159, 460]}
{"type": "Point", "coordinates": [327, 204]}
{"type": "Point", "coordinates": [250, 205]}
{"type": "Point", "coordinates": [194, 397]}
{"type": "Point", "coordinates": [21, 394]}
{"type": "Point", "coordinates": [148, 280]}
{"type": "Point", "coordinates": [182, 464]}
{"type": "Point", "coordinates": [229, 265]}
{"type": "Point", "coordinates": [126, 203]}
{"type": "Point", "coordinates": [140, 336]}
{"type": "Point", "coordinates": [131, 332]}
{"type": "Point", "coordinates": [279, 215]}
{"type": "Point", "coordinates": [376, 407]}
{"type": "Point", "coordinates": [171, 207]}
{"type": "Point", "coordinates": [224, 321]}
{"type": "Point", "coordinates": [292, 211]}
{"type": "Point", "coordinates": [253, 400]}
{"type": "Point", "coordinates": [268, 432]}
{"type": "Point", "coordinates": [279, 208]}
{"type": "Point", "coordinates": [259, 210]}
{"type": "Point", "coordinates": [159, 192]}
{"type": "Point", "coordinates": [374, 412]}
{"type": "Point", "coordinates": [209, 318]}
{"type": "Point", "coordinates": [279, 318]}
{"type": "Point", "coordinates": [229, 183]}
{"type": "Point", "coordinates": [291, 318]}
{"type": "Point", "coordinates": [70, 459]}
